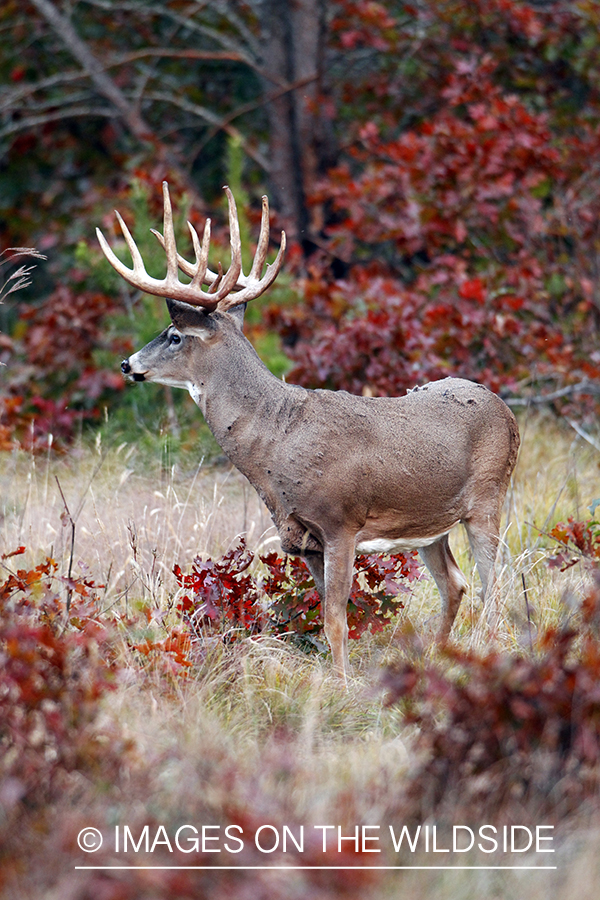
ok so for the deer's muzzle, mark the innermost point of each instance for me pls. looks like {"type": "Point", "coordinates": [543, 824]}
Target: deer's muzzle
{"type": "Point", "coordinates": [127, 370]}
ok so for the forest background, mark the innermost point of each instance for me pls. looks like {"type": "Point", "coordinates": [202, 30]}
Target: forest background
{"type": "Point", "coordinates": [435, 165]}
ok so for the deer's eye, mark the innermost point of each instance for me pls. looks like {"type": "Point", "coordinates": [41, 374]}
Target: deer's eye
{"type": "Point", "coordinates": [175, 339]}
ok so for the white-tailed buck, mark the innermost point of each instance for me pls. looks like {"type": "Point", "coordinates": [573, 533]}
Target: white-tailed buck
{"type": "Point", "coordinates": [340, 474]}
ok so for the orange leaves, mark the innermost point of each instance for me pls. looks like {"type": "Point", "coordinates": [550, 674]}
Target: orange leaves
{"type": "Point", "coordinates": [171, 655]}
{"type": "Point", "coordinates": [54, 669]}
{"type": "Point", "coordinates": [24, 580]}
{"type": "Point", "coordinates": [580, 538]}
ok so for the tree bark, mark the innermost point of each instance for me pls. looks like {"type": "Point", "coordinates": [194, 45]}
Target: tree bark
{"type": "Point", "coordinates": [293, 35]}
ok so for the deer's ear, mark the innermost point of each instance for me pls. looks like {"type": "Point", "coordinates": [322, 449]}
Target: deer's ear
{"type": "Point", "coordinates": [188, 318]}
{"type": "Point", "coordinates": [238, 313]}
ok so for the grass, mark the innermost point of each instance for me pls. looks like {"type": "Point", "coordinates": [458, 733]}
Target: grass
{"type": "Point", "coordinates": [260, 732]}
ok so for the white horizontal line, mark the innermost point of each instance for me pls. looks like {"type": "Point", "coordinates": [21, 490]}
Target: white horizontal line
{"type": "Point", "coordinates": [313, 868]}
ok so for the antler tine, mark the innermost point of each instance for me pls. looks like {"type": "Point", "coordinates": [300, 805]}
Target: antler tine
{"type": "Point", "coordinates": [263, 242]}
{"type": "Point", "coordinates": [200, 271]}
{"type": "Point", "coordinates": [130, 275]}
{"type": "Point", "coordinates": [169, 233]}
{"type": "Point", "coordinates": [231, 276]}
{"type": "Point", "coordinates": [244, 282]}
{"type": "Point", "coordinates": [253, 284]}
{"type": "Point", "coordinates": [255, 287]}
{"type": "Point", "coordinates": [187, 267]}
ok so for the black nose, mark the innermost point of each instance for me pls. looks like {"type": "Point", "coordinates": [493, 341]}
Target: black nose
{"type": "Point", "coordinates": [125, 367]}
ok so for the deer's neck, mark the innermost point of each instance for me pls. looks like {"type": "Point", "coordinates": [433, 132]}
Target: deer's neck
{"type": "Point", "coordinates": [245, 406]}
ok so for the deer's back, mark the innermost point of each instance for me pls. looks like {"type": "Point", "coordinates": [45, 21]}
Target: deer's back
{"type": "Point", "coordinates": [459, 417]}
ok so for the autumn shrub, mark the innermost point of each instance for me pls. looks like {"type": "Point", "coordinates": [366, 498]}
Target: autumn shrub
{"type": "Point", "coordinates": [452, 229]}
{"type": "Point", "coordinates": [502, 733]}
{"type": "Point", "coordinates": [65, 765]}
{"type": "Point", "coordinates": [56, 663]}
{"type": "Point", "coordinates": [55, 379]}
{"type": "Point", "coordinates": [224, 595]}
{"type": "Point", "coordinates": [459, 247]}
{"type": "Point", "coordinates": [580, 542]}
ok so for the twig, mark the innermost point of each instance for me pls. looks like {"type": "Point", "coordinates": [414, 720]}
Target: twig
{"type": "Point", "coordinates": [582, 387]}
{"type": "Point", "coordinates": [253, 105]}
{"type": "Point", "coordinates": [66, 515]}
{"type": "Point", "coordinates": [215, 36]}
{"type": "Point", "coordinates": [118, 597]}
{"type": "Point", "coordinates": [213, 119]}
{"type": "Point", "coordinates": [587, 437]}
{"type": "Point", "coordinates": [525, 594]}
{"type": "Point", "coordinates": [108, 88]}
{"type": "Point", "coordinates": [69, 112]}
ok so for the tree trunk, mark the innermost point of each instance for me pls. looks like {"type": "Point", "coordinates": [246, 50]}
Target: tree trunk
{"type": "Point", "coordinates": [293, 35]}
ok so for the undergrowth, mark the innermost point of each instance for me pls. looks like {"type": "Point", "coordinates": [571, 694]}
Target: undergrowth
{"type": "Point", "coordinates": [133, 694]}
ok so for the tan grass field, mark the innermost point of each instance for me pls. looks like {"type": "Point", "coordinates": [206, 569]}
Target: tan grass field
{"type": "Point", "coordinates": [261, 733]}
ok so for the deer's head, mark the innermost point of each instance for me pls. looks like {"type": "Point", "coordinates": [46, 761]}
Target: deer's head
{"type": "Point", "coordinates": [211, 317]}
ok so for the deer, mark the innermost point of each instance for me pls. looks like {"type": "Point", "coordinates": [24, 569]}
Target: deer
{"type": "Point", "coordinates": [340, 474]}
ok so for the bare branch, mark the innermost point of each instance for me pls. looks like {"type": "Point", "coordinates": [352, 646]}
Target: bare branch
{"type": "Point", "coordinates": [587, 437]}
{"type": "Point", "coordinates": [69, 112]}
{"type": "Point", "coordinates": [11, 97]}
{"type": "Point", "coordinates": [582, 387]}
{"type": "Point", "coordinates": [203, 113]}
{"type": "Point", "coordinates": [251, 106]}
{"type": "Point", "coordinates": [251, 39]}
{"type": "Point", "coordinates": [208, 55]}
{"type": "Point", "coordinates": [218, 37]}
{"type": "Point", "coordinates": [82, 53]}
{"type": "Point", "coordinates": [14, 96]}
{"type": "Point", "coordinates": [109, 89]}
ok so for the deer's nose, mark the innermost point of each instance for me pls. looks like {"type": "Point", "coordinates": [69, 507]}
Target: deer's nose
{"type": "Point", "coordinates": [125, 367]}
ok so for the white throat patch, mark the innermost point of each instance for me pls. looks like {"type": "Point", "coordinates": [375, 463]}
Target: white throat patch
{"type": "Point", "coordinates": [195, 393]}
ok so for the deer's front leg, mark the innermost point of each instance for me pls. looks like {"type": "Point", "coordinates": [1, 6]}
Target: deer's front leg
{"type": "Point", "coordinates": [339, 560]}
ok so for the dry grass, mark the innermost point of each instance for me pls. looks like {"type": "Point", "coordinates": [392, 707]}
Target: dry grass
{"type": "Point", "coordinates": [263, 727]}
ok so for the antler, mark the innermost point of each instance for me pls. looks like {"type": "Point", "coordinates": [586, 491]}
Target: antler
{"type": "Point", "coordinates": [226, 290]}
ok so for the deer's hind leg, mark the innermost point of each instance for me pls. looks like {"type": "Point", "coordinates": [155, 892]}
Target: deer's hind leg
{"type": "Point", "coordinates": [449, 579]}
{"type": "Point", "coordinates": [483, 530]}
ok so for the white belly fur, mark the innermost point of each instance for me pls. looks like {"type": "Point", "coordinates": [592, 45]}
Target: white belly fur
{"type": "Point", "coordinates": [401, 545]}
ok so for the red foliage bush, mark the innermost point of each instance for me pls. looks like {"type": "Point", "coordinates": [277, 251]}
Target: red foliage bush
{"type": "Point", "coordinates": [55, 665]}
{"type": "Point", "coordinates": [223, 592]}
{"type": "Point", "coordinates": [53, 379]}
{"type": "Point", "coordinates": [465, 225]}
{"type": "Point", "coordinates": [579, 538]}
{"type": "Point", "coordinates": [224, 595]}
{"type": "Point", "coordinates": [499, 733]}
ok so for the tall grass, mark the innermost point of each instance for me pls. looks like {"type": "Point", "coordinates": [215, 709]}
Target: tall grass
{"type": "Point", "coordinates": [260, 732]}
